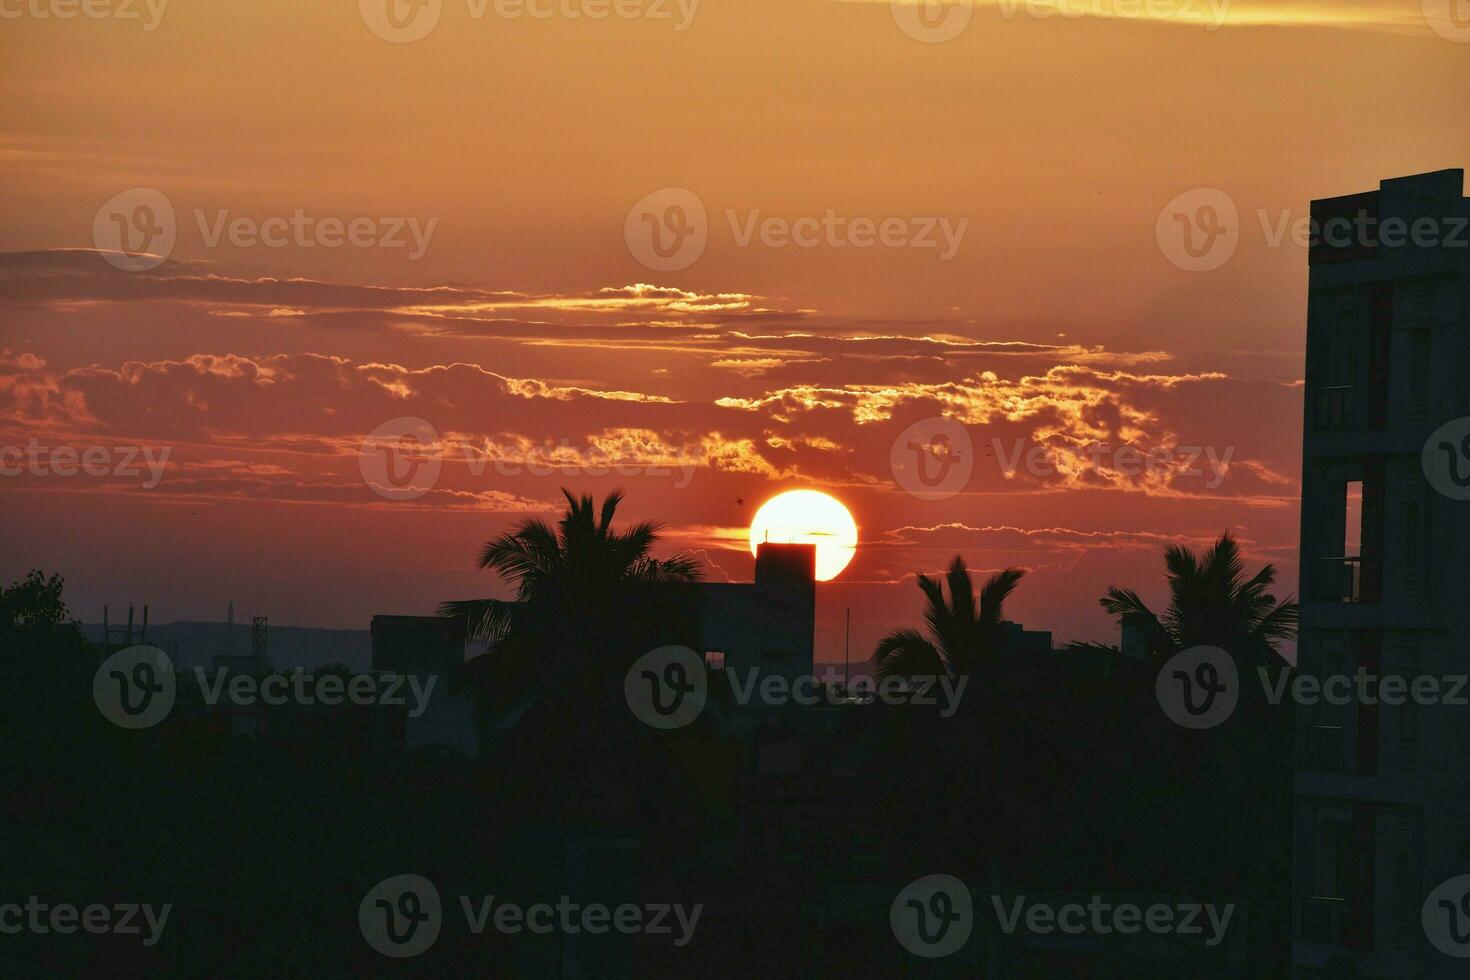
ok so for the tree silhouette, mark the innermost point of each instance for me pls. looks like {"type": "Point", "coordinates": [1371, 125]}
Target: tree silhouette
{"type": "Point", "coordinates": [962, 793]}
{"type": "Point", "coordinates": [964, 634]}
{"type": "Point", "coordinates": [588, 600]}
{"type": "Point", "coordinates": [1212, 603]}
{"type": "Point", "coordinates": [33, 603]}
{"type": "Point", "coordinates": [579, 590]}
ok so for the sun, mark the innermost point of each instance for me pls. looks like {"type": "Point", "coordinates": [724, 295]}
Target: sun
{"type": "Point", "coordinates": [808, 517]}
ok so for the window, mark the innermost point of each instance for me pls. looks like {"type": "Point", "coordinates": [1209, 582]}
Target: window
{"type": "Point", "coordinates": [1419, 377]}
{"type": "Point", "coordinates": [1343, 354]}
{"type": "Point", "coordinates": [1337, 575]}
{"type": "Point", "coordinates": [1370, 660]}
{"type": "Point", "coordinates": [1411, 536]}
{"type": "Point", "coordinates": [1337, 370]}
{"type": "Point", "coordinates": [1408, 712]}
{"type": "Point", "coordinates": [1324, 911]}
{"type": "Point", "coordinates": [1324, 722]}
{"type": "Point", "coordinates": [1337, 908]}
{"type": "Point", "coordinates": [1399, 836]}
{"type": "Point", "coordinates": [1352, 530]}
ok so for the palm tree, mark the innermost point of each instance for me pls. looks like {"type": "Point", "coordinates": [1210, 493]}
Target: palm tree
{"type": "Point", "coordinates": [584, 606]}
{"type": "Point", "coordinates": [1211, 603]}
{"type": "Point", "coordinates": [965, 791]}
{"type": "Point", "coordinates": [964, 633]}
{"type": "Point", "coordinates": [578, 588]}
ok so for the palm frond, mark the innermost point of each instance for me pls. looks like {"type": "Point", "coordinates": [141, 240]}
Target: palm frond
{"type": "Point", "coordinates": [1120, 602]}
{"type": "Point", "coordinates": [961, 592]}
{"type": "Point", "coordinates": [906, 653]}
{"type": "Point", "coordinates": [609, 507]}
{"type": "Point", "coordinates": [486, 620]}
{"type": "Point", "coordinates": [997, 590]}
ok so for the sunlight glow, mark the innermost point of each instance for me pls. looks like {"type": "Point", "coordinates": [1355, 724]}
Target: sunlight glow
{"type": "Point", "coordinates": [808, 517]}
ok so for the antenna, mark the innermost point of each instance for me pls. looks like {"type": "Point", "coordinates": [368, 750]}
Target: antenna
{"type": "Point", "coordinates": [115, 638]}
{"type": "Point", "coordinates": [846, 643]}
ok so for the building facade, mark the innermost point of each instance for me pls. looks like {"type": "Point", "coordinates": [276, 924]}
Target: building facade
{"type": "Point", "coordinates": [1382, 790]}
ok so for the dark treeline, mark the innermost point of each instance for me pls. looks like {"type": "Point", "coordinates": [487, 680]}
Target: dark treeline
{"type": "Point", "coordinates": [1057, 774]}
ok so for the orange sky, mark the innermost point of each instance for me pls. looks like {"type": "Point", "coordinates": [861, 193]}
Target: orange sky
{"type": "Point", "coordinates": [520, 144]}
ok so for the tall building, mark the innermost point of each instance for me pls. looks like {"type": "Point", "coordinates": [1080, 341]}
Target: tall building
{"type": "Point", "coordinates": [1382, 790]}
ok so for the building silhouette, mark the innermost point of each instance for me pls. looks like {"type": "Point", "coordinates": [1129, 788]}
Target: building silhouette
{"type": "Point", "coordinates": [1382, 795]}
{"type": "Point", "coordinates": [425, 648]}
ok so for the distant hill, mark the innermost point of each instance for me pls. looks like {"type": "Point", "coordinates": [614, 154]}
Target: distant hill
{"type": "Point", "coordinates": [192, 644]}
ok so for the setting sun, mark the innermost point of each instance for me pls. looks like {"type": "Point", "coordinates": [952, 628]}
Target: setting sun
{"type": "Point", "coordinates": [808, 517]}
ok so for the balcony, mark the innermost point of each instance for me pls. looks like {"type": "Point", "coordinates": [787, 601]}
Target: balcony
{"type": "Point", "coordinates": [1324, 920]}
{"type": "Point", "coordinates": [1332, 408]}
{"type": "Point", "coordinates": [1323, 751]}
{"type": "Point", "coordinates": [1337, 579]}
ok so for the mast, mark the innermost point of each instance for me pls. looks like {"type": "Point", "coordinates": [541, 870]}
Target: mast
{"type": "Point", "coordinates": [846, 644]}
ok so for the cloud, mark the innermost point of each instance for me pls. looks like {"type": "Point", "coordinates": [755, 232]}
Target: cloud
{"type": "Point", "coordinates": [822, 400]}
{"type": "Point", "coordinates": [1073, 427]}
{"type": "Point", "coordinates": [1380, 15]}
{"type": "Point", "coordinates": [638, 317]}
